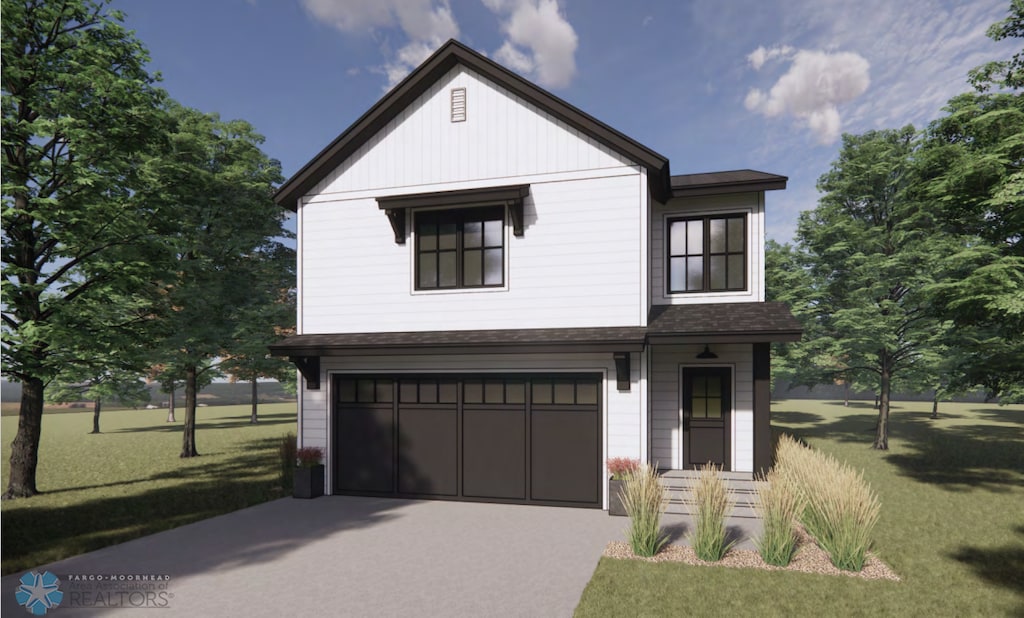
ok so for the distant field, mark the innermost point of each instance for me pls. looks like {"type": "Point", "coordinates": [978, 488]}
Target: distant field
{"type": "Point", "coordinates": [217, 394]}
{"type": "Point", "coordinates": [128, 481]}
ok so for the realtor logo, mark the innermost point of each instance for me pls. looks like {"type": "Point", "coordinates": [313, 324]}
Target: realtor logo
{"type": "Point", "coordinates": [39, 593]}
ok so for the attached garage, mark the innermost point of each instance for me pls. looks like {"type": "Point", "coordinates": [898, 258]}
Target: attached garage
{"type": "Point", "coordinates": [517, 438]}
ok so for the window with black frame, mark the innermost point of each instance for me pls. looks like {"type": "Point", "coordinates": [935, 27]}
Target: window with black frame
{"type": "Point", "coordinates": [707, 254]}
{"type": "Point", "coordinates": [462, 248]}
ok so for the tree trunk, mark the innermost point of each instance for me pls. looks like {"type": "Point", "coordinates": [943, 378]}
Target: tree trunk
{"type": "Point", "coordinates": [170, 406]}
{"type": "Point", "coordinates": [255, 398]}
{"type": "Point", "coordinates": [882, 436]}
{"type": "Point", "coordinates": [188, 443]}
{"type": "Point", "coordinates": [25, 447]}
{"type": "Point", "coordinates": [935, 404]}
{"type": "Point", "coordinates": [846, 394]}
{"type": "Point", "coordinates": [96, 415]}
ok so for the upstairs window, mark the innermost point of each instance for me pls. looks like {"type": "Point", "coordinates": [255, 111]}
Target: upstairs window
{"type": "Point", "coordinates": [707, 254]}
{"type": "Point", "coordinates": [462, 248]}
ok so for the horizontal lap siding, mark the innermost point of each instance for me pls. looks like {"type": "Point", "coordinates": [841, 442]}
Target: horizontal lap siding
{"type": "Point", "coordinates": [577, 265]}
{"type": "Point", "coordinates": [711, 204]}
{"type": "Point", "coordinates": [666, 434]}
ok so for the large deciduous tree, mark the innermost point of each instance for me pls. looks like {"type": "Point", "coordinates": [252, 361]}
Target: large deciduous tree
{"type": "Point", "coordinates": [225, 230]}
{"type": "Point", "coordinates": [79, 109]}
{"type": "Point", "coordinates": [870, 252]}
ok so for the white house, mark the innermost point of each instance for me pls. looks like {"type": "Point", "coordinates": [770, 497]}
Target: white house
{"type": "Point", "coordinates": [498, 292]}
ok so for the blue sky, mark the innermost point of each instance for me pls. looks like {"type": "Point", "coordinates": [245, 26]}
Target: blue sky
{"type": "Point", "coordinates": [710, 84]}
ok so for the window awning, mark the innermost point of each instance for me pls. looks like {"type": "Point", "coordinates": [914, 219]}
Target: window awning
{"type": "Point", "coordinates": [510, 195]}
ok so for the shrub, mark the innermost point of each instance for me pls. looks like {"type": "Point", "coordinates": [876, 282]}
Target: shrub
{"type": "Point", "coordinates": [778, 504]}
{"type": "Point", "coordinates": [713, 502]}
{"type": "Point", "coordinates": [309, 456]}
{"type": "Point", "coordinates": [643, 497]}
{"type": "Point", "coordinates": [840, 510]}
{"type": "Point", "coordinates": [286, 451]}
{"type": "Point", "coordinates": [619, 467]}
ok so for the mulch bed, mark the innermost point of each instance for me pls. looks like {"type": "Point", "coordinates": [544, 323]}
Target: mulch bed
{"type": "Point", "coordinates": [809, 558]}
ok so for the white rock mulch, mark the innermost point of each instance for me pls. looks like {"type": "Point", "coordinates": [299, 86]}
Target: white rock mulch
{"type": "Point", "coordinates": [809, 558]}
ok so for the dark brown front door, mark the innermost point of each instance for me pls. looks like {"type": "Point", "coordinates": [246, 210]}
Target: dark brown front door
{"type": "Point", "coordinates": [707, 408]}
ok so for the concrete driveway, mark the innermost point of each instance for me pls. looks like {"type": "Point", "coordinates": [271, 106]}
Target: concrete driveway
{"type": "Point", "coordinates": [349, 556]}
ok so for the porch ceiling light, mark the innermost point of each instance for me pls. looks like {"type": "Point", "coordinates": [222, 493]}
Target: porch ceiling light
{"type": "Point", "coordinates": [707, 353]}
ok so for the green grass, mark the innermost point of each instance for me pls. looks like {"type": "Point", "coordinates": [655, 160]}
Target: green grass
{"type": "Point", "coordinates": [952, 525]}
{"type": "Point", "coordinates": [128, 482]}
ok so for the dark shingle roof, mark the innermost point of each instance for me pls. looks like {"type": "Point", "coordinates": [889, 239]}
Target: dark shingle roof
{"type": "Point", "coordinates": [735, 181]}
{"type": "Point", "coordinates": [721, 322]}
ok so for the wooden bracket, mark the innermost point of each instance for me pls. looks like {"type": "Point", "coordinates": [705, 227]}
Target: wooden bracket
{"type": "Point", "coordinates": [621, 370]}
{"type": "Point", "coordinates": [309, 366]}
{"type": "Point", "coordinates": [397, 218]}
{"type": "Point", "coordinates": [515, 211]}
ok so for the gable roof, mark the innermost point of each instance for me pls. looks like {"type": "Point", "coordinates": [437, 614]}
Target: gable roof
{"type": "Point", "coordinates": [433, 68]}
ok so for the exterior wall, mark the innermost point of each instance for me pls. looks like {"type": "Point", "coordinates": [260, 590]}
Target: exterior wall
{"type": "Point", "coordinates": [667, 362]}
{"type": "Point", "coordinates": [578, 264]}
{"type": "Point", "coordinates": [623, 434]}
{"type": "Point", "coordinates": [750, 203]}
{"type": "Point", "coordinates": [503, 136]}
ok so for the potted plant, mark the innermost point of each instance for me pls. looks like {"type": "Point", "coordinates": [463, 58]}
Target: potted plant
{"type": "Point", "coordinates": [619, 468]}
{"type": "Point", "coordinates": [309, 473]}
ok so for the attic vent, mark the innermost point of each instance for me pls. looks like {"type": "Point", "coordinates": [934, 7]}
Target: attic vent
{"type": "Point", "coordinates": [458, 105]}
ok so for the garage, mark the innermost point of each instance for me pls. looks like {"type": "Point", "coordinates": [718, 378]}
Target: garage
{"type": "Point", "coordinates": [531, 439]}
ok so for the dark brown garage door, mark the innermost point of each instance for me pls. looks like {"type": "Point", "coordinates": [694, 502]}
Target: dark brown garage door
{"type": "Point", "coordinates": [520, 438]}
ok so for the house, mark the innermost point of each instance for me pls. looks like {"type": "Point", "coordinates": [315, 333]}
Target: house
{"type": "Point", "coordinates": [497, 292]}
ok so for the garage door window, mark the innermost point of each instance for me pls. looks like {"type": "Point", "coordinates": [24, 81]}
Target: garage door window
{"type": "Point", "coordinates": [564, 392]}
{"type": "Point", "coordinates": [365, 390]}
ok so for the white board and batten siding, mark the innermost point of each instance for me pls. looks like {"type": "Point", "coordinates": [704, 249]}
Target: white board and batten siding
{"type": "Point", "coordinates": [667, 364]}
{"type": "Point", "coordinates": [580, 262]}
{"type": "Point", "coordinates": [623, 434]}
{"type": "Point", "coordinates": [751, 204]}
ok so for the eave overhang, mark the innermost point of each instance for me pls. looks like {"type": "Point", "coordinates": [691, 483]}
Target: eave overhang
{"type": "Point", "coordinates": [511, 196]}
{"type": "Point", "coordinates": [716, 183]}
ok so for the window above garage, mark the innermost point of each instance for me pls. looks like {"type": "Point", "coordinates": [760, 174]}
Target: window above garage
{"type": "Point", "coordinates": [460, 248]}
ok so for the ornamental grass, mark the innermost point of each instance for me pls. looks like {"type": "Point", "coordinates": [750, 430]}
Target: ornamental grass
{"type": "Point", "coordinates": [839, 508]}
{"type": "Point", "coordinates": [643, 497]}
{"type": "Point", "coordinates": [778, 505]}
{"type": "Point", "coordinates": [714, 502]}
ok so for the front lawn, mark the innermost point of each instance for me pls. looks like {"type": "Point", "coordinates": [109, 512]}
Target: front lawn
{"type": "Point", "coordinates": [952, 525]}
{"type": "Point", "coordinates": [128, 481]}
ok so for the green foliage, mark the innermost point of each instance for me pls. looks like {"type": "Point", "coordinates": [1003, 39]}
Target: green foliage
{"type": "Point", "coordinates": [1003, 73]}
{"type": "Point", "coordinates": [714, 502]}
{"type": "Point", "coordinates": [840, 510]}
{"type": "Point", "coordinates": [643, 497]}
{"type": "Point", "coordinates": [778, 504]}
{"type": "Point", "coordinates": [287, 453]}
{"type": "Point", "coordinates": [123, 387]}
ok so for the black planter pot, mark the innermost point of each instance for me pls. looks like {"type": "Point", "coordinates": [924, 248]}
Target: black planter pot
{"type": "Point", "coordinates": [615, 506]}
{"type": "Point", "coordinates": [308, 482]}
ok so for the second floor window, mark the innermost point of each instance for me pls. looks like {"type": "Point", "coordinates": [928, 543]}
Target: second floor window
{"type": "Point", "coordinates": [462, 248]}
{"type": "Point", "coordinates": [707, 254]}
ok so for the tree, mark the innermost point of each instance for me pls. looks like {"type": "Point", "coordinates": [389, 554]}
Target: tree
{"type": "Point", "coordinates": [1003, 73]}
{"type": "Point", "coordinates": [974, 182]}
{"type": "Point", "coordinates": [79, 111]}
{"type": "Point", "coordinates": [224, 231]}
{"type": "Point", "coordinates": [869, 251]}
{"type": "Point", "coordinates": [263, 323]}
{"type": "Point", "coordinates": [125, 387]}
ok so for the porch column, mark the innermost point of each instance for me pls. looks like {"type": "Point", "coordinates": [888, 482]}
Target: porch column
{"type": "Point", "coordinates": [762, 408]}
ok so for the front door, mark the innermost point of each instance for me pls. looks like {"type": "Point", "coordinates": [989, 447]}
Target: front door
{"type": "Point", "coordinates": [707, 407]}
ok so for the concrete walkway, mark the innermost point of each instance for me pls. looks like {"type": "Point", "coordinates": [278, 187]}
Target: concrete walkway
{"type": "Point", "coordinates": [355, 557]}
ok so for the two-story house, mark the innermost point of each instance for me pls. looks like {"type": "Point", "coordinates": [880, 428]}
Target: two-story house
{"type": "Point", "coordinates": [497, 292]}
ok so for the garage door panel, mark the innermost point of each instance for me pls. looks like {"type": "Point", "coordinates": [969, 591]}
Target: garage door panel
{"type": "Point", "coordinates": [364, 453]}
{"type": "Point", "coordinates": [428, 451]}
{"type": "Point", "coordinates": [494, 453]}
{"type": "Point", "coordinates": [564, 452]}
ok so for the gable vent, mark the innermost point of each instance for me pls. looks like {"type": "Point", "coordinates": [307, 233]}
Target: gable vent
{"type": "Point", "coordinates": [458, 104]}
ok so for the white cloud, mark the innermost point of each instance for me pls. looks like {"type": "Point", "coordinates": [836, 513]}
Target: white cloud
{"type": "Point", "coordinates": [759, 56]}
{"type": "Point", "coordinates": [540, 41]}
{"type": "Point", "coordinates": [816, 83]}
{"type": "Point", "coordinates": [426, 24]}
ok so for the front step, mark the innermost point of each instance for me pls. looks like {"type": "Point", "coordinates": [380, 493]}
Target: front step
{"type": "Point", "coordinates": [680, 499]}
